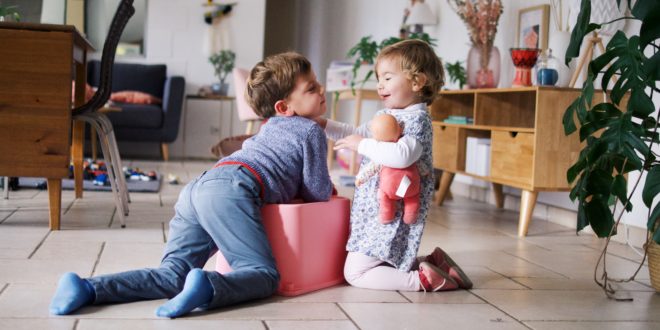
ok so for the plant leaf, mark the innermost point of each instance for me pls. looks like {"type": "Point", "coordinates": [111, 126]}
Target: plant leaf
{"type": "Point", "coordinates": [581, 29]}
{"type": "Point", "coordinates": [651, 186]}
{"type": "Point", "coordinates": [648, 11]}
{"type": "Point", "coordinates": [652, 67]}
{"type": "Point", "coordinates": [640, 104]}
{"type": "Point", "coordinates": [599, 216]}
{"type": "Point", "coordinates": [619, 189]}
{"type": "Point", "coordinates": [574, 170]}
{"type": "Point", "coordinates": [567, 119]}
{"type": "Point", "coordinates": [653, 218]}
{"type": "Point", "coordinates": [581, 218]}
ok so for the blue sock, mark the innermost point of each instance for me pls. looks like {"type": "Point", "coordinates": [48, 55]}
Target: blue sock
{"type": "Point", "coordinates": [197, 291]}
{"type": "Point", "coordinates": [72, 293]}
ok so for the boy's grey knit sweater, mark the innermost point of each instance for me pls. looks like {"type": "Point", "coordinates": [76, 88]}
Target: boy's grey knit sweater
{"type": "Point", "coordinates": [289, 153]}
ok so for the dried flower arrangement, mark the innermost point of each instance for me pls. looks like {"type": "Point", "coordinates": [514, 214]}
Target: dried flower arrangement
{"type": "Point", "coordinates": [480, 17]}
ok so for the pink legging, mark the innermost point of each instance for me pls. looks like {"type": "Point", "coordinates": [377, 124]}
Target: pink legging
{"type": "Point", "coordinates": [367, 272]}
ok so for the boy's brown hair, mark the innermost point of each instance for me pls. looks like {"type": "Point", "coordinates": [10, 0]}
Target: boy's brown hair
{"type": "Point", "coordinates": [416, 56]}
{"type": "Point", "coordinates": [274, 79]}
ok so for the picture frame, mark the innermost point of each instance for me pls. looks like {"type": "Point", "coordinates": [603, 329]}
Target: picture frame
{"type": "Point", "coordinates": [533, 26]}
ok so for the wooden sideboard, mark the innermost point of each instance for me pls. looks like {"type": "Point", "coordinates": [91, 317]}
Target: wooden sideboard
{"type": "Point", "coordinates": [528, 147]}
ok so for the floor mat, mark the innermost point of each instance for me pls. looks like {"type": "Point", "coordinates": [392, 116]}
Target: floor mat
{"type": "Point", "coordinates": [133, 185]}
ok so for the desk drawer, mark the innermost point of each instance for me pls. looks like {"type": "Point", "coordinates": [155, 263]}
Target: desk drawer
{"type": "Point", "coordinates": [448, 147]}
{"type": "Point", "coordinates": [512, 155]}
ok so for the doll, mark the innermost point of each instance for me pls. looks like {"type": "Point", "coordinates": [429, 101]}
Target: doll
{"type": "Point", "coordinates": [394, 183]}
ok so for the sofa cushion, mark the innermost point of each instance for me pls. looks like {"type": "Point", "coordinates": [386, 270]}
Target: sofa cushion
{"type": "Point", "coordinates": [134, 97]}
{"type": "Point", "coordinates": [137, 115]}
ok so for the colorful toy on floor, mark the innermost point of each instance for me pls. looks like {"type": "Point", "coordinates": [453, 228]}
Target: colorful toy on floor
{"type": "Point", "coordinates": [173, 179]}
{"type": "Point", "coordinates": [137, 174]}
{"type": "Point", "coordinates": [97, 172]}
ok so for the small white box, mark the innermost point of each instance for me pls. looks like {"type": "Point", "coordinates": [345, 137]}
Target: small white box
{"type": "Point", "coordinates": [477, 159]}
{"type": "Point", "coordinates": [340, 74]}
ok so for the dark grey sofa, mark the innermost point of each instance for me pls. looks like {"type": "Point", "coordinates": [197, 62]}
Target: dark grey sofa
{"type": "Point", "coordinates": [145, 122]}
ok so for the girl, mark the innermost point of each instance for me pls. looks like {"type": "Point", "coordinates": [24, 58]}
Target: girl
{"type": "Point", "coordinates": [383, 256]}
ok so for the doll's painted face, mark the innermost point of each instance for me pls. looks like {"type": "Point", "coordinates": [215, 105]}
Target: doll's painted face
{"type": "Point", "coordinates": [385, 128]}
{"type": "Point", "coordinates": [394, 88]}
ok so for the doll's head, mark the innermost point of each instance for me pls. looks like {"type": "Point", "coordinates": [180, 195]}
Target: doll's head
{"type": "Point", "coordinates": [385, 128]}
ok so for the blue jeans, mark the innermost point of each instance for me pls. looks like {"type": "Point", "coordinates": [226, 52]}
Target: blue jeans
{"type": "Point", "coordinates": [218, 210]}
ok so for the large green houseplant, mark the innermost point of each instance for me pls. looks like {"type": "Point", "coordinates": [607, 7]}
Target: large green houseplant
{"type": "Point", "coordinates": [620, 134]}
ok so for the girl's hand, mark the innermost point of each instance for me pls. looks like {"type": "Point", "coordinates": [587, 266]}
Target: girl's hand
{"type": "Point", "coordinates": [350, 142]}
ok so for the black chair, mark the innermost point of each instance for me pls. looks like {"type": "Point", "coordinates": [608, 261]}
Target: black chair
{"type": "Point", "coordinates": [89, 114]}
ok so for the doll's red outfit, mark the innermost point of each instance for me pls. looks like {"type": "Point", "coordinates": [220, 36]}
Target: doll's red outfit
{"type": "Point", "coordinates": [389, 182]}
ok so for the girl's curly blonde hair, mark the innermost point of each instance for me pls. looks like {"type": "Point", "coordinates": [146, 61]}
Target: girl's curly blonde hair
{"type": "Point", "coordinates": [416, 56]}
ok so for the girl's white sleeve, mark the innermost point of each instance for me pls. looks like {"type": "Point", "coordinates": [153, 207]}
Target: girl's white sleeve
{"type": "Point", "coordinates": [400, 154]}
{"type": "Point", "coordinates": [337, 130]}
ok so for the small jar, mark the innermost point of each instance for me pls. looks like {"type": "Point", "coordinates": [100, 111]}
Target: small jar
{"type": "Point", "coordinates": [546, 69]}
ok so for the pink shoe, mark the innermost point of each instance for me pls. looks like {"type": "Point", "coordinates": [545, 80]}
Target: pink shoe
{"type": "Point", "coordinates": [433, 279]}
{"type": "Point", "coordinates": [441, 259]}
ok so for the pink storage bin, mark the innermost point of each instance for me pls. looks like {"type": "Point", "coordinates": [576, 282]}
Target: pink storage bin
{"type": "Point", "coordinates": [308, 242]}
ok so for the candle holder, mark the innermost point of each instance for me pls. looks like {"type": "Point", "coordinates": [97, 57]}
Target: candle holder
{"type": "Point", "coordinates": [524, 60]}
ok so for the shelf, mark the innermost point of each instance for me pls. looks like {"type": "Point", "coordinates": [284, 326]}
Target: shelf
{"type": "Point", "coordinates": [486, 127]}
{"type": "Point", "coordinates": [528, 147]}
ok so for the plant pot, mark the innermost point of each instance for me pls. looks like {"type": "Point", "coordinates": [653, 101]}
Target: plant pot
{"type": "Point", "coordinates": [220, 88]}
{"type": "Point", "coordinates": [653, 250]}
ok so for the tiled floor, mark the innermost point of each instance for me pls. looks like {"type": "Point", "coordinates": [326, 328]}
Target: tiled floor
{"type": "Point", "coordinates": [544, 281]}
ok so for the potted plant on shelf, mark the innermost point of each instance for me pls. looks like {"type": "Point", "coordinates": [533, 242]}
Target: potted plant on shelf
{"type": "Point", "coordinates": [619, 134]}
{"type": "Point", "coordinates": [9, 13]}
{"type": "Point", "coordinates": [223, 63]}
{"type": "Point", "coordinates": [456, 73]}
{"type": "Point", "coordinates": [366, 50]}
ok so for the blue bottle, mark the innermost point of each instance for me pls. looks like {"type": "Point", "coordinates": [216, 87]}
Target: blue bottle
{"type": "Point", "coordinates": [546, 69]}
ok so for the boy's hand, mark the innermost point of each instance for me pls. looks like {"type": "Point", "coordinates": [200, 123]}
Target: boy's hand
{"type": "Point", "coordinates": [350, 142]}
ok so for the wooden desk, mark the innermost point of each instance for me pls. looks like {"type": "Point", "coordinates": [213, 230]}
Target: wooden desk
{"type": "Point", "coordinates": [358, 97]}
{"type": "Point", "coordinates": [39, 61]}
{"type": "Point", "coordinates": [528, 147]}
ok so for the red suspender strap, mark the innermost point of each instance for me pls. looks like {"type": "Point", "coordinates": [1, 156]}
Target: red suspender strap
{"type": "Point", "coordinates": [256, 175]}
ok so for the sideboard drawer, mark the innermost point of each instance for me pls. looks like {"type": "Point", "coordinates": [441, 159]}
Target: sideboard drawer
{"type": "Point", "coordinates": [512, 156]}
{"type": "Point", "coordinates": [448, 147]}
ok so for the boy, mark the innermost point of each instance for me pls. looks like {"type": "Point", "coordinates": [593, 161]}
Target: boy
{"type": "Point", "coordinates": [221, 208]}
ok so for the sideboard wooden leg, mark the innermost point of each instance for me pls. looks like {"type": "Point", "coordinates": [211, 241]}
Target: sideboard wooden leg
{"type": "Point", "coordinates": [445, 183]}
{"type": "Point", "coordinates": [499, 196]}
{"type": "Point", "coordinates": [54, 203]}
{"type": "Point", "coordinates": [527, 203]}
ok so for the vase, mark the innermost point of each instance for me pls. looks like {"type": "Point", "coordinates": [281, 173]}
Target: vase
{"type": "Point", "coordinates": [558, 42]}
{"type": "Point", "coordinates": [483, 73]}
{"type": "Point", "coordinates": [524, 60]}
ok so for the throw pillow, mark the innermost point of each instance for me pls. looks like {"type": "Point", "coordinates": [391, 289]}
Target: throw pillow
{"type": "Point", "coordinates": [135, 97]}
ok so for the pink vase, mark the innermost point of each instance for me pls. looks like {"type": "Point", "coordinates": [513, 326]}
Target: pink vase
{"type": "Point", "coordinates": [480, 73]}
